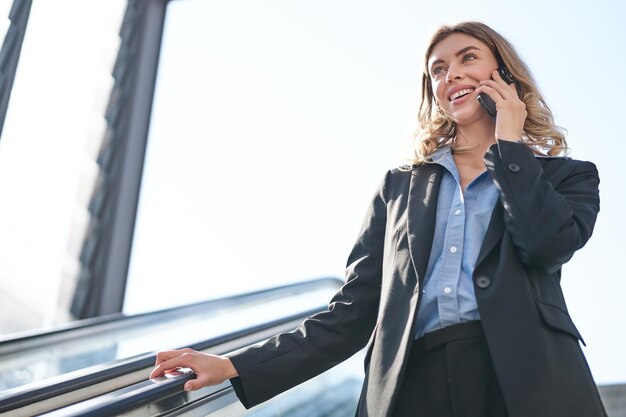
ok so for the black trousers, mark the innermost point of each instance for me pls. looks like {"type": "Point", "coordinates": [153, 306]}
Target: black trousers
{"type": "Point", "coordinates": [450, 374]}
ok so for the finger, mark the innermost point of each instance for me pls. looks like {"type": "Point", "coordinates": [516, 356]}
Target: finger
{"type": "Point", "coordinates": [491, 92]}
{"type": "Point", "coordinates": [157, 372]}
{"type": "Point", "coordinates": [182, 361]}
{"type": "Point", "coordinates": [499, 81]}
{"type": "Point", "coordinates": [160, 371]}
{"type": "Point", "coordinates": [166, 355]}
{"type": "Point", "coordinates": [194, 384]}
{"type": "Point", "coordinates": [495, 75]}
{"type": "Point", "coordinates": [503, 91]}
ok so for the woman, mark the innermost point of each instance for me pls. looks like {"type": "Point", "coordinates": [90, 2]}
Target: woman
{"type": "Point", "coordinates": [455, 276]}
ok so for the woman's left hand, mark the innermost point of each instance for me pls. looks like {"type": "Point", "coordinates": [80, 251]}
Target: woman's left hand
{"type": "Point", "coordinates": [511, 110]}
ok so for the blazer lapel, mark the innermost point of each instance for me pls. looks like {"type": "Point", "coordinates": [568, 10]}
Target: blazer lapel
{"type": "Point", "coordinates": [493, 233]}
{"type": "Point", "coordinates": [422, 210]}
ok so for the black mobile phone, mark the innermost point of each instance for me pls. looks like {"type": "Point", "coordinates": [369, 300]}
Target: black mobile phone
{"type": "Point", "coordinates": [486, 101]}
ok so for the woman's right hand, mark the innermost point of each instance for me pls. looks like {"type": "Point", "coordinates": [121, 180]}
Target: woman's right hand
{"type": "Point", "coordinates": [209, 369]}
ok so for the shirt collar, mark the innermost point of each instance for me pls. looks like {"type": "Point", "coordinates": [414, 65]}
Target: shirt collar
{"type": "Point", "coordinates": [443, 157]}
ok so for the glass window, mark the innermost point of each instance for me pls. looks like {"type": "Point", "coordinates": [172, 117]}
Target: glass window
{"type": "Point", "coordinates": [53, 127]}
{"type": "Point", "coordinates": [259, 165]}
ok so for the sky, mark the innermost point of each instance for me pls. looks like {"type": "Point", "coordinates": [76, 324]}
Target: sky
{"type": "Point", "coordinates": [273, 123]}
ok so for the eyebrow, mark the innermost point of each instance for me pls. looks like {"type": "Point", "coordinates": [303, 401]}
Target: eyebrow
{"type": "Point", "coordinates": [459, 53]}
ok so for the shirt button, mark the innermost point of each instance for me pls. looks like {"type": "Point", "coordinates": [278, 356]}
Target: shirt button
{"type": "Point", "coordinates": [453, 249]}
{"type": "Point", "coordinates": [457, 211]}
{"type": "Point", "coordinates": [447, 290]}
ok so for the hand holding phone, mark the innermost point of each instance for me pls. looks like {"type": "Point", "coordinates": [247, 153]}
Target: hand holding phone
{"type": "Point", "coordinates": [488, 104]}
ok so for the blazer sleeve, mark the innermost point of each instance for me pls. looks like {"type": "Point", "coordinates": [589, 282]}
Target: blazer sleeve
{"type": "Point", "coordinates": [548, 220]}
{"type": "Point", "coordinates": [329, 337]}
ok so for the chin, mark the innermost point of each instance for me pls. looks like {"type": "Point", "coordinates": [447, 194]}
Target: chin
{"type": "Point", "coordinates": [467, 116]}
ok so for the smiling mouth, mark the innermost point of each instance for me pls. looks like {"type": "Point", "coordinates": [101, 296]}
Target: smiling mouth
{"type": "Point", "coordinates": [461, 93]}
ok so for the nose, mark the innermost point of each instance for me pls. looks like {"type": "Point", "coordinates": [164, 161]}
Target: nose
{"type": "Point", "coordinates": [452, 74]}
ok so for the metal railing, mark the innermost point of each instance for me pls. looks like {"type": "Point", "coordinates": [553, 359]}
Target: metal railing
{"type": "Point", "coordinates": [98, 379]}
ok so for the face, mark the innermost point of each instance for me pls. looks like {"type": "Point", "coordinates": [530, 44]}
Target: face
{"type": "Point", "coordinates": [456, 66]}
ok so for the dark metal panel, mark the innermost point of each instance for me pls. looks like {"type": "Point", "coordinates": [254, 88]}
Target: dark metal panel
{"type": "Point", "coordinates": [106, 249]}
{"type": "Point", "coordinates": [10, 52]}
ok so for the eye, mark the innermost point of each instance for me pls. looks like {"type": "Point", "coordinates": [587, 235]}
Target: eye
{"type": "Point", "coordinates": [469, 57]}
{"type": "Point", "coordinates": [437, 70]}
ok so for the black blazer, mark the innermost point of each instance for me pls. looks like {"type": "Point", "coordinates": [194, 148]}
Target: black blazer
{"type": "Point", "coordinates": [546, 211]}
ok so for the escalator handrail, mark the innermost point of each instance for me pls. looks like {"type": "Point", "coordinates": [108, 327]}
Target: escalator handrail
{"type": "Point", "coordinates": [120, 401]}
{"type": "Point", "coordinates": [32, 339]}
{"type": "Point", "coordinates": [117, 402]}
{"type": "Point", "coordinates": [33, 393]}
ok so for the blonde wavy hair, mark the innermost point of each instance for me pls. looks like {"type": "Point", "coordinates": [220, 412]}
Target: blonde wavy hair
{"type": "Point", "coordinates": [435, 129]}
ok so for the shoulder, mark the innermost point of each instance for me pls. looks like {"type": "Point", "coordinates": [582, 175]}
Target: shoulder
{"type": "Point", "coordinates": [408, 169]}
{"type": "Point", "coordinates": [405, 172]}
{"type": "Point", "coordinates": [401, 170]}
{"type": "Point", "coordinates": [396, 178]}
{"type": "Point", "coordinates": [399, 179]}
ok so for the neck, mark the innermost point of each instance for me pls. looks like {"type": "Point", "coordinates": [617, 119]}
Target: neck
{"type": "Point", "coordinates": [478, 136]}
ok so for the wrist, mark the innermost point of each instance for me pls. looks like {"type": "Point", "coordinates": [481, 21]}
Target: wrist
{"type": "Point", "coordinates": [229, 368]}
{"type": "Point", "coordinates": [509, 139]}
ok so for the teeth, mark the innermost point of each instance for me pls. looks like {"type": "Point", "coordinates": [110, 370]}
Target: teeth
{"type": "Point", "coordinates": [461, 93]}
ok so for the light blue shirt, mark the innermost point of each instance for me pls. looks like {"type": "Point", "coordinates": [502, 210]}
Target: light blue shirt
{"type": "Point", "coordinates": [462, 218]}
